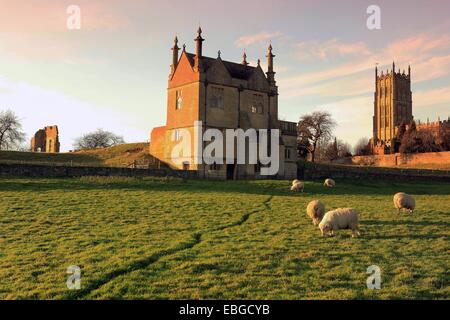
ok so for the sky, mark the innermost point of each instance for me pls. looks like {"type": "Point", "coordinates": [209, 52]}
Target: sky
{"type": "Point", "coordinates": [112, 72]}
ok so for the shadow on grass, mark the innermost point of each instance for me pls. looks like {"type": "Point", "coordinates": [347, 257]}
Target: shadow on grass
{"type": "Point", "coordinates": [404, 236]}
{"type": "Point", "coordinates": [407, 223]}
{"type": "Point", "coordinates": [254, 187]}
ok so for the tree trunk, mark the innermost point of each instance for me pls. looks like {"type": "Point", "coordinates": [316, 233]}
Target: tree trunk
{"type": "Point", "coordinates": [313, 153]}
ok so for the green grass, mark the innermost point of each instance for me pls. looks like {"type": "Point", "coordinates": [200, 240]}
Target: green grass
{"type": "Point", "coordinates": [117, 156]}
{"type": "Point", "coordinates": [169, 238]}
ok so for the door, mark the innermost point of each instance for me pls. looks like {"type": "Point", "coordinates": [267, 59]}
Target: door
{"type": "Point", "coordinates": [230, 171]}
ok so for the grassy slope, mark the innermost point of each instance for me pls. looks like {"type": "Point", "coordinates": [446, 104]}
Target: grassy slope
{"type": "Point", "coordinates": [115, 156]}
{"type": "Point", "coordinates": [167, 238]}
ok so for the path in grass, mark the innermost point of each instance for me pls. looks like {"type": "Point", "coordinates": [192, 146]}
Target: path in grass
{"type": "Point", "coordinates": [278, 253]}
{"type": "Point", "coordinates": [173, 239]}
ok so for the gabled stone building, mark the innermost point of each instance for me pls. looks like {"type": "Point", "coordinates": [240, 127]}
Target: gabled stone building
{"type": "Point", "coordinates": [46, 140]}
{"type": "Point", "coordinates": [222, 95]}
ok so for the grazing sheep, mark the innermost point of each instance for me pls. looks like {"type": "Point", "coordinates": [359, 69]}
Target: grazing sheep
{"type": "Point", "coordinates": [404, 201]}
{"type": "Point", "coordinates": [315, 210]}
{"type": "Point", "coordinates": [342, 218]}
{"type": "Point", "coordinates": [329, 183]}
{"type": "Point", "coordinates": [299, 186]}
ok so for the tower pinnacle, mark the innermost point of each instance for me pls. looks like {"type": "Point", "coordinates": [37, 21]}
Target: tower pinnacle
{"type": "Point", "coordinates": [175, 50]}
{"type": "Point", "coordinates": [244, 59]}
{"type": "Point", "coordinates": [199, 48]}
{"type": "Point", "coordinates": [270, 73]}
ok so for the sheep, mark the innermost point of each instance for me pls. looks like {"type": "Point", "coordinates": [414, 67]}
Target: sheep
{"type": "Point", "coordinates": [315, 210]}
{"type": "Point", "coordinates": [342, 218]}
{"type": "Point", "coordinates": [299, 186]}
{"type": "Point", "coordinates": [404, 201]}
{"type": "Point", "coordinates": [329, 183]}
{"type": "Point", "coordinates": [295, 182]}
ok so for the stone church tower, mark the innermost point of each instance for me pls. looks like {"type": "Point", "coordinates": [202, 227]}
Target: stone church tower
{"type": "Point", "coordinates": [392, 106]}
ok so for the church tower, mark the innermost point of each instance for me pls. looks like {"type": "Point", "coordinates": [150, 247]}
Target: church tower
{"type": "Point", "coordinates": [392, 104]}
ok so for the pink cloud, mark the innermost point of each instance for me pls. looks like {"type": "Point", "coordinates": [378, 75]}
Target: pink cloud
{"type": "Point", "coordinates": [428, 55]}
{"type": "Point", "coordinates": [248, 40]}
{"type": "Point", "coordinates": [330, 49]}
{"type": "Point", "coordinates": [47, 16]}
{"type": "Point", "coordinates": [432, 97]}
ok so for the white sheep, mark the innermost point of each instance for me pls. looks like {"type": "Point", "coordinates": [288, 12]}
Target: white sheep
{"type": "Point", "coordinates": [329, 183]}
{"type": "Point", "coordinates": [404, 201]}
{"type": "Point", "coordinates": [342, 218]}
{"type": "Point", "coordinates": [315, 210]}
{"type": "Point", "coordinates": [295, 182]}
{"type": "Point", "coordinates": [299, 186]}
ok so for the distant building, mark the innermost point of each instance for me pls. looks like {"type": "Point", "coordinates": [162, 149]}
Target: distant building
{"type": "Point", "coordinates": [222, 95]}
{"type": "Point", "coordinates": [46, 140]}
{"type": "Point", "coordinates": [392, 107]}
{"type": "Point", "coordinates": [437, 128]}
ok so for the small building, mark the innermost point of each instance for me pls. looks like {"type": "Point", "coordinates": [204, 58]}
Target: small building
{"type": "Point", "coordinates": [222, 95]}
{"type": "Point", "coordinates": [46, 140]}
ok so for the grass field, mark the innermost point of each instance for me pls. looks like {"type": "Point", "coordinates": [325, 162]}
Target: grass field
{"type": "Point", "coordinates": [169, 238]}
{"type": "Point", "coordinates": [117, 156]}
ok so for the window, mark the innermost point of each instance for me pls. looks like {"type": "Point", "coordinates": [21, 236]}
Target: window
{"type": "Point", "coordinates": [257, 104]}
{"type": "Point", "coordinates": [217, 97]}
{"type": "Point", "coordinates": [179, 99]}
{"type": "Point", "coordinates": [287, 153]}
{"type": "Point", "coordinates": [214, 166]}
{"type": "Point", "coordinates": [177, 135]}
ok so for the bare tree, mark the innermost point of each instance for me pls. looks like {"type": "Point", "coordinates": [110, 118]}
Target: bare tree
{"type": "Point", "coordinates": [332, 150]}
{"type": "Point", "coordinates": [316, 127]}
{"type": "Point", "coordinates": [11, 134]}
{"type": "Point", "coordinates": [362, 147]}
{"type": "Point", "coordinates": [98, 139]}
{"type": "Point", "coordinates": [337, 149]}
{"type": "Point", "coordinates": [344, 149]}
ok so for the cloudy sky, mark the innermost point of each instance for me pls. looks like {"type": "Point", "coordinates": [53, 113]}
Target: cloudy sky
{"type": "Point", "coordinates": [112, 73]}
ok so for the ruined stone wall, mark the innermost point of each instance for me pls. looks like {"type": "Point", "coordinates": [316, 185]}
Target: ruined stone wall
{"type": "Point", "coordinates": [38, 141]}
{"type": "Point", "coordinates": [52, 139]}
{"type": "Point", "coordinates": [46, 140]}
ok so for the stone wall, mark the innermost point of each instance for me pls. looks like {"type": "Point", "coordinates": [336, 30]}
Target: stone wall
{"type": "Point", "coordinates": [20, 170]}
{"type": "Point", "coordinates": [391, 160]}
{"type": "Point", "coordinates": [307, 171]}
{"type": "Point", "coordinates": [310, 171]}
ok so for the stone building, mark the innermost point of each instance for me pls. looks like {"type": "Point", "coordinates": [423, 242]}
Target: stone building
{"type": "Point", "coordinates": [392, 107]}
{"type": "Point", "coordinates": [221, 95]}
{"type": "Point", "coordinates": [46, 140]}
{"type": "Point", "coordinates": [437, 128]}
